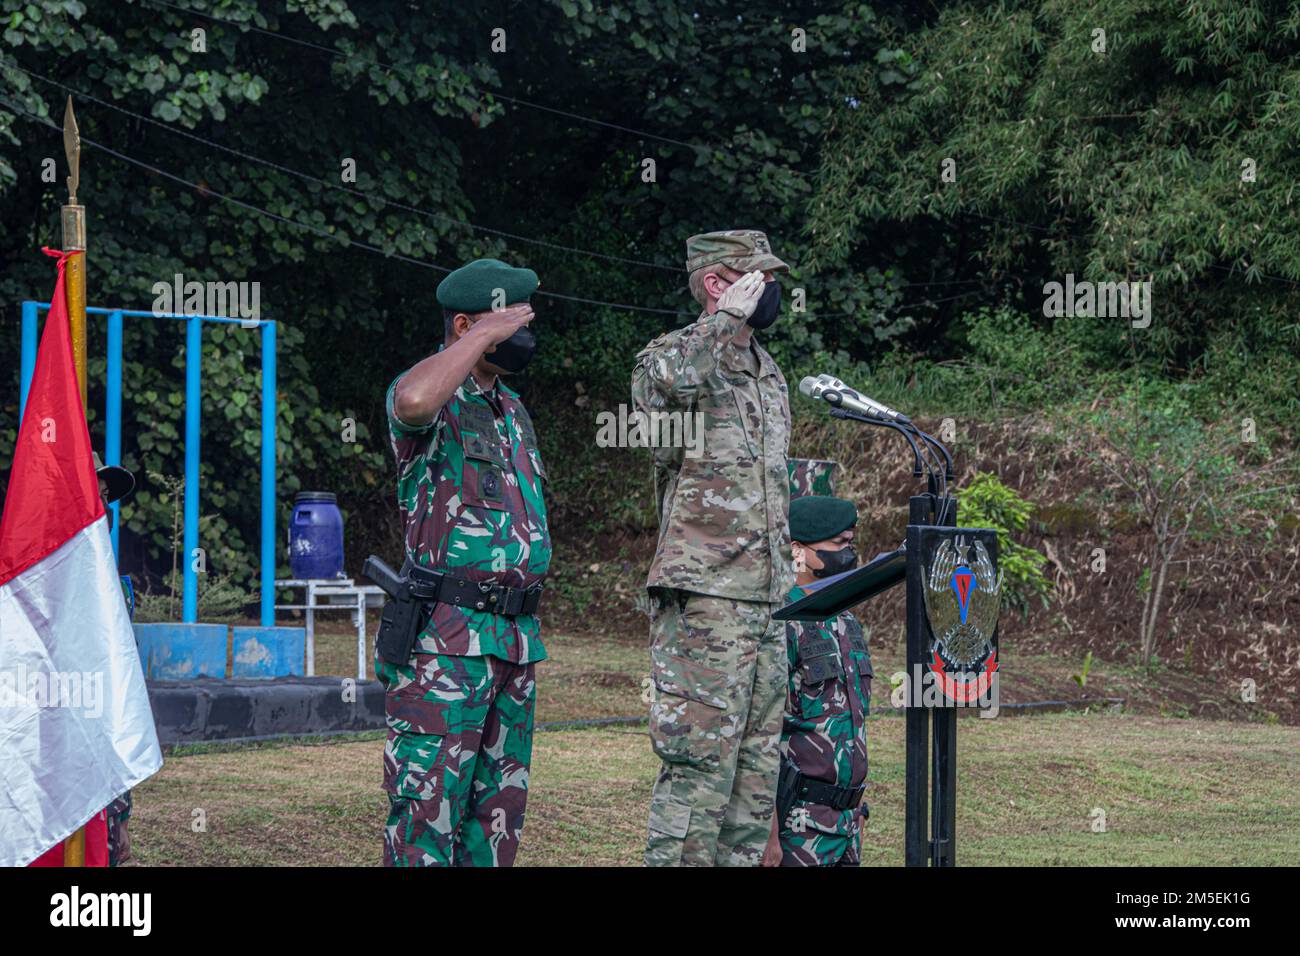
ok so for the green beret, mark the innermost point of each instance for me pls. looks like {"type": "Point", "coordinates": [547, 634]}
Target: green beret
{"type": "Point", "coordinates": [473, 287]}
{"type": "Point", "coordinates": [819, 518]}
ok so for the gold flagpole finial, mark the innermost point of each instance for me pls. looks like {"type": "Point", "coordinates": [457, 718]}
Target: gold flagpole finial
{"type": "Point", "coordinates": [72, 146]}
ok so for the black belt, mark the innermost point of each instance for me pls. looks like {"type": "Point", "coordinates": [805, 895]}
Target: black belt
{"type": "Point", "coordinates": [827, 794]}
{"type": "Point", "coordinates": [477, 595]}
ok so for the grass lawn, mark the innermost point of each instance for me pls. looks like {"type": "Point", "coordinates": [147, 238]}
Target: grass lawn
{"type": "Point", "coordinates": [1174, 791]}
{"type": "Point", "coordinates": [592, 675]}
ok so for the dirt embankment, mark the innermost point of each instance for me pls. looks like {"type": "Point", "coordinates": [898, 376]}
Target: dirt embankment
{"type": "Point", "coordinates": [1228, 609]}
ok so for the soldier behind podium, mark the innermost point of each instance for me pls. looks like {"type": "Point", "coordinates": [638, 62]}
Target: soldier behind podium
{"type": "Point", "coordinates": [722, 564]}
{"type": "Point", "coordinates": [824, 735]}
{"type": "Point", "coordinates": [470, 482]}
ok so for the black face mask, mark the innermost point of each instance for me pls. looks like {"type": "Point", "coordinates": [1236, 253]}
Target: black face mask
{"type": "Point", "coordinates": [515, 352]}
{"type": "Point", "coordinates": [835, 562]}
{"type": "Point", "coordinates": [769, 306]}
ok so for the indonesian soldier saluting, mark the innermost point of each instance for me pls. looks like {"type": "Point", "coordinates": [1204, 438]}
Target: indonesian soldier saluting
{"type": "Point", "coordinates": [723, 562]}
{"type": "Point", "coordinates": [469, 488]}
{"type": "Point", "coordinates": [824, 737]}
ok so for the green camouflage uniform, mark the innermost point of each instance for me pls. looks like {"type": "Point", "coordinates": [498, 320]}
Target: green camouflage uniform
{"type": "Point", "coordinates": [825, 734]}
{"type": "Point", "coordinates": [723, 564]}
{"type": "Point", "coordinates": [811, 476]}
{"type": "Point", "coordinates": [460, 712]}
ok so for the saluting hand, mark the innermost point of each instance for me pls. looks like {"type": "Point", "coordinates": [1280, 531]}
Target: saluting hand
{"type": "Point", "coordinates": [499, 325]}
{"type": "Point", "coordinates": [742, 295]}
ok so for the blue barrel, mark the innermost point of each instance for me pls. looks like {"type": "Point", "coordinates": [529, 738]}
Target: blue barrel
{"type": "Point", "coordinates": [316, 536]}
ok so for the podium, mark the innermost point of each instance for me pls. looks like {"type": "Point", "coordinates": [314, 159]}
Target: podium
{"type": "Point", "coordinates": [953, 596]}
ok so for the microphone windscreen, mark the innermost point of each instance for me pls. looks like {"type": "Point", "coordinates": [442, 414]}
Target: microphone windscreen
{"type": "Point", "coordinates": [806, 386]}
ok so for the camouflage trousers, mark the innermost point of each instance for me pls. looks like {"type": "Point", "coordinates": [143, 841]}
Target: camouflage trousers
{"type": "Point", "coordinates": [119, 813]}
{"type": "Point", "coordinates": [813, 835]}
{"type": "Point", "coordinates": [719, 673]}
{"type": "Point", "coordinates": [460, 738]}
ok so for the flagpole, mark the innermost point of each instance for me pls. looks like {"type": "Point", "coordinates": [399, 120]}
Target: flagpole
{"type": "Point", "coordinates": [74, 240]}
{"type": "Point", "coordinates": [74, 284]}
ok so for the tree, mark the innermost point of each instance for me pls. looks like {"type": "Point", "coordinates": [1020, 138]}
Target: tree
{"type": "Point", "coordinates": [460, 151]}
{"type": "Point", "coordinates": [1184, 479]}
{"type": "Point", "coordinates": [1145, 141]}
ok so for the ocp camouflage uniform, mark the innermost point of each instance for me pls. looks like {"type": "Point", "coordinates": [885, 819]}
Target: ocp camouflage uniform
{"type": "Point", "coordinates": [722, 565]}
{"type": "Point", "coordinates": [824, 734]}
{"type": "Point", "coordinates": [460, 713]}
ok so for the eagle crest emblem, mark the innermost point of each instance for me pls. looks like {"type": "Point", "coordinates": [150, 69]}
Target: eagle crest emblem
{"type": "Point", "coordinates": [962, 597]}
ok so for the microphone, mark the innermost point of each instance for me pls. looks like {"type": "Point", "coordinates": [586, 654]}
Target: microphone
{"type": "Point", "coordinates": [834, 392]}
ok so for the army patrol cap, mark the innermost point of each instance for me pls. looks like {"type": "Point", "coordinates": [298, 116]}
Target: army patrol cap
{"type": "Point", "coordinates": [820, 518]}
{"type": "Point", "coordinates": [473, 287]}
{"type": "Point", "coordinates": [741, 249]}
{"type": "Point", "coordinates": [120, 482]}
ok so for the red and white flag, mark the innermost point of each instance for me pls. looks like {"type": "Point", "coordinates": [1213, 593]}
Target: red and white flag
{"type": "Point", "coordinates": [75, 725]}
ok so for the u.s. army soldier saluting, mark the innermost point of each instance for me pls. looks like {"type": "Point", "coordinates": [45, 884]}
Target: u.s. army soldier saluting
{"type": "Point", "coordinates": [723, 562]}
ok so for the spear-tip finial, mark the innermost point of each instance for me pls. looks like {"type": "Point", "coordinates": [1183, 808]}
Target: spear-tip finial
{"type": "Point", "coordinates": [72, 146]}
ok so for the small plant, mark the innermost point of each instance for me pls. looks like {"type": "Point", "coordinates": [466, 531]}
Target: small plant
{"type": "Point", "coordinates": [1185, 479]}
{"type": "Point", "coordinates": [987, 503]}
{"type": "Point", "coordinates": [219, 599]}
{"type": "Point", "coordinates": [1081, 678]}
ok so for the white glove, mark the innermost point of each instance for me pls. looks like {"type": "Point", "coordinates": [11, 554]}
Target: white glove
{"type": "Point", "coordinates": [741, 297]}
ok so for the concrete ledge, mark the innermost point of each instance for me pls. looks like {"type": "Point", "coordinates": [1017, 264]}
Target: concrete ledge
{"type": "Point", "coordinates": [191, 711]}
{"type": "Point", "coordinates": [267, 651]}
{"type": "Point", "coordinates": [182, 651]}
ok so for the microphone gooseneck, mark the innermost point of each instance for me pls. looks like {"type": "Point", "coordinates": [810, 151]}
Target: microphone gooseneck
{"type": "Point", "coordinates": [848, 403]}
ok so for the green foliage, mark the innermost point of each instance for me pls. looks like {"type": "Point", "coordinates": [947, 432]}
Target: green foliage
{"type": "Point", "coordinates": [1173, 468]}
{"type": "Point", "coordinates": [416, 107]}
{"type": "Point", "coordinates": [1185, 479]}
{"type": "Point", "coordinates": [987, 503]}
{"type": "Point", "coordinates": [924, 292]}
{"type": "Point", "coordinates": [220, 601]}
{"type": "Point", "coordinates": [1168, 156]}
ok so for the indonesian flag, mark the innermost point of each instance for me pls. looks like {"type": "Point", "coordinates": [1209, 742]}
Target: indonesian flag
{"type": "Point", "coordinates": [75, 725]}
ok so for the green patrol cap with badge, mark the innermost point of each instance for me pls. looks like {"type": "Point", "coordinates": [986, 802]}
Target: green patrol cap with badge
{"type": "Point", "coordinates": [473, 287]}
{"type": "Point", "coordinates": [741, 249]}
{"type": "Point", "coordinates": [820, 518]}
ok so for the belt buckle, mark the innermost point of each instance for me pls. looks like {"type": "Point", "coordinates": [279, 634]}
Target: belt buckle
{"type": "Point", "coordinates": [530, 597]}
{"type": "Point", "coordinates": [490, 597]}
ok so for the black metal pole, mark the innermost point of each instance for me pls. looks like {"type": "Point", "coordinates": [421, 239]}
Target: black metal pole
{"type": "Point", "coordinates": [944, 799]}
{"type": "Point", "coordinates": [916, 840]}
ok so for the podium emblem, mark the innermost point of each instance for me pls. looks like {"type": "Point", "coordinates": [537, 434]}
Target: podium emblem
{"type": "Point", "coordinates": [962, 597]}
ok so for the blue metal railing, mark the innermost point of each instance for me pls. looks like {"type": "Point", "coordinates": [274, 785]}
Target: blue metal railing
{"type": "Point", "coordinates": [193, 409]}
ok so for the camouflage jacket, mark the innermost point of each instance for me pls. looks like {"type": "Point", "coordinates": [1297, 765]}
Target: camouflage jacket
{"type": "Point", "coordinates": [469, 489]}
{"type": "Point", "coordinates": [724, 516]}
{"type": "Point", "coordinates": [828, 695]}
